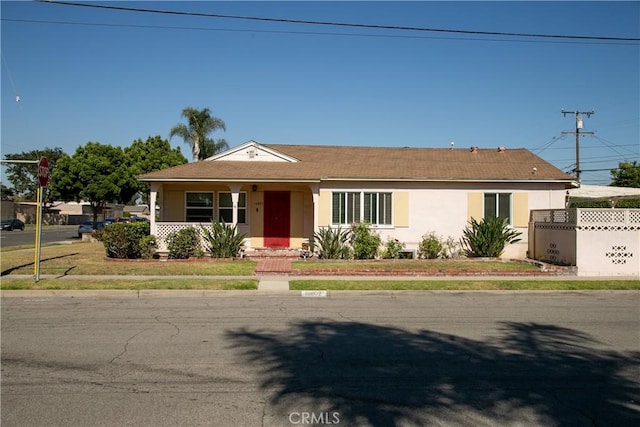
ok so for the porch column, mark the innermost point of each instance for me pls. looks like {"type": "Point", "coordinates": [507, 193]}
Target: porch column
{"type": "Point", "coordinates": [152, 206]}
{"type": "Point", "coordinates": [315, 194]}
{"type": "Point", "coordinates": [235, 198]}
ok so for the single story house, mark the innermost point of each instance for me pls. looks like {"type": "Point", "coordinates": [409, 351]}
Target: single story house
{"type": "Point", "coordinates": [279, 195]}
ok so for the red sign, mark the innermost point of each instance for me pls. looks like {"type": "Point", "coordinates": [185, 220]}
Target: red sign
{"type": "Point", "coordinates": [43, 171]}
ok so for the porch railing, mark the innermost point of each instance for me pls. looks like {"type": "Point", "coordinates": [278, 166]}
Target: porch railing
{"type": "Point", "coordinates": [164, 229]}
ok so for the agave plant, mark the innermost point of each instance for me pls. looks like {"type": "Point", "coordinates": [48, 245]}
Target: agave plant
{"type": "Point", "coordinates": [488, 237]}
{"type": "Point", "coordinates": [223, 241]}
{"type": "Point", "coordinates": [332, 244]}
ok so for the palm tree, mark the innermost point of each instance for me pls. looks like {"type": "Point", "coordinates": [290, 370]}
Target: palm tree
{"type": "Point", "coordinates": [209, 147]}
{"type": "Point", "coordinates": [200, 124]}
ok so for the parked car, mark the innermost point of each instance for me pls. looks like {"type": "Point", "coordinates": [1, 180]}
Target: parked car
{"type": "Point", "coordinates": [12, 224]}
{"type": "Point", "coordinates": [87, 227]}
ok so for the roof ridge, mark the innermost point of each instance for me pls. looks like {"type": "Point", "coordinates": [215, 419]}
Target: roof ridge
{"type": "Point", "coordinates": [394, 148]}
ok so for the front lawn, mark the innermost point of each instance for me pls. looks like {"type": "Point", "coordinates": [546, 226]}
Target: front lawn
{"type": "Point", "coordinates": [128, 284]}
{"type": "Point", "coordinates": [88, 258]}
{"type": "Point", "coordinates": [431, 265]}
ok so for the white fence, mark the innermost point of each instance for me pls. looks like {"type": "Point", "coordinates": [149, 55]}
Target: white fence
{"type": "Point", "coordinates": [600, 242]}
{"type": "Point", "coordinates": [164, 229]}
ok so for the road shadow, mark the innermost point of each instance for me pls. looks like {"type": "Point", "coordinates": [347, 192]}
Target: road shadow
{"type": "Point", "coordinates": [18, 267]}
{"type": "Point", "coordinates": [363, 374]}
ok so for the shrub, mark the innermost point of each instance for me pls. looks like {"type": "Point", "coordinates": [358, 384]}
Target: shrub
{"type": "Point", "coordinates": [223, 241]}
{"type": "Point", "coordinates": [364, 241]}
{"type": "Point", "coordinates": [488, 237]}
{"type": "Point", "coordinates": [451, 248]}
{"type": "Point", "coordinates": [430, 246]}
{"type": "Point", "coordinates": [331, 244]}
{"type": "Point", "coordinates": [128, 241]}
{"type": "Point", "coordinates": [393, 249]}
{"type": "Point", "coordinates": [184, 243]}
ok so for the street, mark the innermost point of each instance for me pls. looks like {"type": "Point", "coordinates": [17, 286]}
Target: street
{"type": "Point", "coordinates": [220, 358]}
{"type": "Point", "coordinates": [50, 234]}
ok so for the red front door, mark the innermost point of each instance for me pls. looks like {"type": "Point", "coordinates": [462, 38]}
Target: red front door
{"type": "Point", "coordinates": [277, 214]}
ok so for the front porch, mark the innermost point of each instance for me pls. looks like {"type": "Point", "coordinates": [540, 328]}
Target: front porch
{"type": "Point", "coordinates": [270, 215]}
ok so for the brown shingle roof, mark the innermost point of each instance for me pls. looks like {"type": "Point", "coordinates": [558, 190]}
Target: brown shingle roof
{"type": "Point", "coordinates": [373, 163]}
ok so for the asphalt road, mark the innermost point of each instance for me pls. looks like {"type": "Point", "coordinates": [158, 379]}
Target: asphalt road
{"type": "Point", "coordinates": [49, 234]}
{"type": "Point", "coordinates": [352, 359]}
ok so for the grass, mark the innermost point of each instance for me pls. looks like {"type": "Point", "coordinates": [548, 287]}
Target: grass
{"type": "Point", "coordinates": [463, 285]}
{"type": "Point", "coordinates": [128, 284]}
{"type": "Point", "coordinates": [88, 258]}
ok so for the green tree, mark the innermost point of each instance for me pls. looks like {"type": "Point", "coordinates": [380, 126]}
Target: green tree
{"type": "Point", "coordinates": [200, 123]}
{"type": "Point", "coordinates": [151, 155]}
{"type": "Point", "coordinates": [6, 193]}
{"type": "Point", "coordinates": [96, 173]}
{"type": "Point", "coordinates": [24, 176]}
{"type": "Point", "coordinates": [626, 175]}
{"type": "Point", "coordinates": [211, 147]}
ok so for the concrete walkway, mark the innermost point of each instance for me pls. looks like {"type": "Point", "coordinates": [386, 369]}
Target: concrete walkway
{"type": "Point", "coordinates": [273, 273]}
{"type": "Point", "coordinates": [279, 282]}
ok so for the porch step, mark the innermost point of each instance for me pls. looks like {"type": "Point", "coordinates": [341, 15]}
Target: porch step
{"type": "Point", "coordinates": [273, 253]}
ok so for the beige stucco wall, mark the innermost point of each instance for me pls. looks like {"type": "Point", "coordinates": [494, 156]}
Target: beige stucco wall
{"type": "Point", "coordinates": [256, 222]}
{"type": "Point", "coordinates": [419, 208]}
{"type": "Point", "coordinates": [297, 219]}
{"type": "Point", "coordinates": [324, 211]}
{"type": "Point", "coordinates": [445, 208]}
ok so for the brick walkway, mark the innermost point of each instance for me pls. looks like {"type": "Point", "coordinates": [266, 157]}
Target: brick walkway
{"type": "Point", "coordinates": [273, 266]}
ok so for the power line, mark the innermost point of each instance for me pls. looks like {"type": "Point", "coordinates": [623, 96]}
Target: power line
{"type": "Point", "coordinates": [311, 33]}
{"type": "Point", "coordinates": [591, 148]}
{"type": "Point", "coordinates": [341, 24]}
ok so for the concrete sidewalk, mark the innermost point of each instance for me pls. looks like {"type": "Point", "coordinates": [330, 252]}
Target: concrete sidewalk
{"type": "Point", "coordinates": [280, 282]}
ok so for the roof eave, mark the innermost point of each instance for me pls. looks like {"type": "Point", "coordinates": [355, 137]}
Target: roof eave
{"type": "Point", "coordinates": [241, 180]}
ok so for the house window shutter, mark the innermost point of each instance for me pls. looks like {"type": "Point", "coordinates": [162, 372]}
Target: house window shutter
{"type": "Point", "coordinates": [474, 206]}
{"type": "Point", "coordinates": [520, 209]}
{"type": "Point", "coordinates": [400, 209]}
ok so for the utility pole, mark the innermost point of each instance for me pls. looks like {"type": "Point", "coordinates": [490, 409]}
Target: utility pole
{"type": "Point", "coordinates": [577, 133]}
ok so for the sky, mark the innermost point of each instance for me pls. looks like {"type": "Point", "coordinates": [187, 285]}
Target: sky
{"type": "Point", "coordinates": [113, 76]}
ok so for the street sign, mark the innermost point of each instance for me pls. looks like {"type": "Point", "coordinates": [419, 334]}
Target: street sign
{"type": "Point", "coordinates": [43, 171]}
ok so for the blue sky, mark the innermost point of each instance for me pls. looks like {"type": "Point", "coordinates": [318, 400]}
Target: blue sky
{"type": "Point", "coordinates": [115, 76]}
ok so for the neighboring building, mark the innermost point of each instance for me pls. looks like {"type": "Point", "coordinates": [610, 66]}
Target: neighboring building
{"type": "Point", "coordinates": [279, 195]}
{"type": "Point", "coordinates": [67, 213]}
{"type": "Point", "coordinates": [7, 210]}
{"type": "Point", "coordinates": [141, 211]}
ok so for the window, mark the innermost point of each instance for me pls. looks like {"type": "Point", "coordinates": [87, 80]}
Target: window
{"type": "Point", "coordinates": [199, 207]}
{"type": "Point", "coordinates": [375, 208]}
{"type": "Point", "coordinates": [346, 208]}
{"type": "Point", "coordinates": [498, 204]}
{"type": "Point", "coordinates": [225, 208]}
